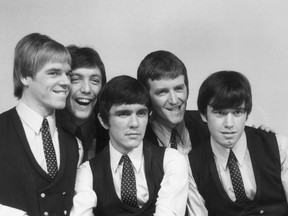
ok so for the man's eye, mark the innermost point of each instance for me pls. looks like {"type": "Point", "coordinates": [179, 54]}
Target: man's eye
{"type": "Point", "coordinates": [179, 88]}
{"type": "Point", "coordinates": [123, 114]}
{"type": "Point", "coordinates": [74, 79]}
{"type": "Point", "coordinates": [219, 113]}
{"type": "Point", "coordinates": [142, 113]}
{"type": "Point", "coordinates": [239, 113]}
{"type": "Point", "coordinates": [162, 92]}
{"type": "Point", "coordinates": [52, 73]}
{"type": "Point", "coordinates": [96, 81]}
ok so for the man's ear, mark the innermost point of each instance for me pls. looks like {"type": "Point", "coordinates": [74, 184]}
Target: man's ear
{"type": "Point", "coordinates": [25, 80]}
{"type": "Point", "coordinates": [102, 122]}
{"type": "Point", "coordinates": [204, 117]}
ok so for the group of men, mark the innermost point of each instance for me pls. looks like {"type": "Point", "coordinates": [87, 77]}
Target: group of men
{"type": "Point", "coordinates": [76, 145]}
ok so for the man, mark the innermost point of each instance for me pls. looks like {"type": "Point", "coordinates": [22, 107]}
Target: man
{"type": "Point", "coordinates": [159, 175]}
{"type": "Point", "coordinates": [239, 170]}
{"type": "Point", "coordinates": [38, 160]}
{"type": "Point", "coordinates": [165, 77]}
{"type": "Point", "coordinates": [87, 78]}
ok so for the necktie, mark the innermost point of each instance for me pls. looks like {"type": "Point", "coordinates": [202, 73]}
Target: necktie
{"type": "Point", "coordinates": [49, 150]}
{"type": "Point", "coordinates": [128, 183]}
{"type": "Point", "coordinates": [173, 143]}
{"type": "Point", "coordinates": [236, 179]}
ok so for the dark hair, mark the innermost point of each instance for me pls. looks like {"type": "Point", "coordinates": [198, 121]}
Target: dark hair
{"type": "Point", "coordinates": [224, 90]}
{"type": "Point", "coordinates": [161, 65]}
{"type": "Point", "coordinates": [121, 90]}
{"type": "Point", "coordinates": [86, 57]}
{"type": "Point", "coordinates": [31, 54]}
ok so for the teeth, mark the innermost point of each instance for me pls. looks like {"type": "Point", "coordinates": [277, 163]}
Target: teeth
{"type": "Point", "coordinates": [83, 101]}
{"type": "Point", "coordinates": [60, 92]}
{"type": "Point", "coordinates": [174, 108]}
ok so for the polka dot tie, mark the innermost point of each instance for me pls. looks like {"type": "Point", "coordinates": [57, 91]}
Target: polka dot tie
{"type": "Point", "coordinates": [173, 143]}
{"type": "Point", "coordinates": [128, 183]}
{"type": "Point", "coordinates": [236, 179]}
{"type": "Point", "coordinates": [49, 150]}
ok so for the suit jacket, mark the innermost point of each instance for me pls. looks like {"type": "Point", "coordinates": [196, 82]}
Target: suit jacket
{"type": "Point", "coordinates": [198, 130]}
{"type": "Point", "coordinates": [23, 183]}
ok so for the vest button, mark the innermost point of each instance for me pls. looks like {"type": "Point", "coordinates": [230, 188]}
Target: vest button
{"type": "Point", "coordinates": [46, 213]}
{"type": "Point", "coordinates": [42, 195]}
{"type": "Point", "coordinates": [261, 212]}
{"type": "Point", "coordinates": [65, 212]}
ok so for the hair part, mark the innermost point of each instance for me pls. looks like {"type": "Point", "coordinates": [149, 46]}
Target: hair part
{"type": "Point", "coordinates": [121, 90]}
{"type": "Point", "coordinates": [161, 65]}
{"type": "Point", "coordinates": [31, 54]}
{"type": "Point", "coordinates": [225, 90]}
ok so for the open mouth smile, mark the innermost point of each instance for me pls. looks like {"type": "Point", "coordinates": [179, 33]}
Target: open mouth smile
{"type": "Point", "coordinates": [176, 108]}
{"type": "Point", "coordinates": [83, 101]}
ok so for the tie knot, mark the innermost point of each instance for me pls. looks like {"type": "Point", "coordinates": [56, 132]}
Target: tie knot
{"type": "Point", "coordinates": [45, 124]}
{"type": "Point", "coordinates": [232, 158]}
{"type": "Point", "coordinates": [125, 159]}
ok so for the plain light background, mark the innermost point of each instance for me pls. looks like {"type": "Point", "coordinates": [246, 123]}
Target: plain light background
{"type": "Point", "coordinates": [249, 36]}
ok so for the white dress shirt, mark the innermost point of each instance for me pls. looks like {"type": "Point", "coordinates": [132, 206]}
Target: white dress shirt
{"type": "Point", "coordinates": [195, 202]}
{"type": "Point", "coordinates": [32, 123]}
{"type": "Point", "coordinates": [172, 195]}
{"type": "Point", "coordinates": [245, 165]}
{"type": "Point", "coordinates": [241, 152]}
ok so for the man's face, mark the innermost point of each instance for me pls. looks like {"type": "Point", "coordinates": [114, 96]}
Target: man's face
{"type": "Point", "coordinates": [127, 126]}
{"type": "Point", "coordinates": [226, 125]}
{"type": "Point", "coordinates": [169, 100]}
{"type": "Point", "coordinates": [48, 89]}
{"type": "Point", "coordinates": [85, 86]}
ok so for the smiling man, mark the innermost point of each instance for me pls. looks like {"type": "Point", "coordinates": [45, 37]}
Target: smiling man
{"type": "Point", "coordinates": [87, 78]}
{"type": "Point", "coordinates": [38, 160]}
{"type": "Point", "coordinates": [130, 176]}
{"type": "Point", "coordinates": [239, 170]}
{"type": "Point", "coordinates": [170, 124]}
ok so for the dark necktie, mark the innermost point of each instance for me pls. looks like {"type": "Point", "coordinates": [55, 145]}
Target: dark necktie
{"type": "Point", "coordinates": [49, 150]}
{"type": "Point", "coordinates": [173, 143]}
{"type": "Point", "coordinates": [128, 183]}
{"type": "Point", "coordinates": [236, 179]}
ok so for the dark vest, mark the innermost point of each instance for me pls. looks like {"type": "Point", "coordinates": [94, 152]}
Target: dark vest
{"type": "Point", "coordinates": [270, 197]}
{"type": "Point", "coordinates": [108, 202]}
{"type": "Point", "coordinates": [197, 129]}
{"type": "Point", "coordinates": [23, 183]}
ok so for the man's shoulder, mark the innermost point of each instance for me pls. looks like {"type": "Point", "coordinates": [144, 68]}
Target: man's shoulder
{"type": "Point", "coordinates": [192, 114]}
{"type": "Point", "coordinates": [8, 114]}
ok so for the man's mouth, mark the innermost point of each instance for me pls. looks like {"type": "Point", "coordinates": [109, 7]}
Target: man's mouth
{"type": "Point", "coordinates": [176, 108]}
{"type": "Point", "coordinates": [228, 133]}
{"type": "Point", "coordinates": [83, 101]}
{"type": "Point", "coordinates": [60, 92]}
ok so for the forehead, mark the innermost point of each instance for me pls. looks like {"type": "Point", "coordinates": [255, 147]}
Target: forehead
{"type": "Point", "coordinates": [87, 72]}
{"type": "Point", "coordinates": [166, 83]}
{"type": "Point", "coordinates": [56, 67]}
{"type": "Point", "coordinates": [127, 107]}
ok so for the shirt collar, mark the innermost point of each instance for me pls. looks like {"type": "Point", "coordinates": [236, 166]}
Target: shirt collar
{"type": "Point", "coordinates": [33, 119]}
{"type": "Point", "coordinates": [136, 157]}
{"type": "Point", "coordinates": [222, 153]}
{"type": "Point", "coordinates": [164, 133]}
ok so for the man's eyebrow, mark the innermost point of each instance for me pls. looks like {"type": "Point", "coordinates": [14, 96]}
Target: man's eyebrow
{"type": "Point", "coordinates": [122, 110]}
